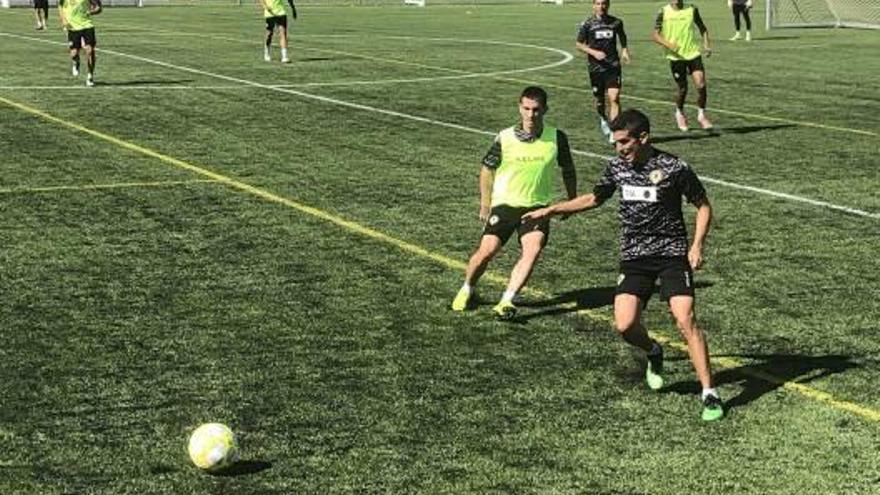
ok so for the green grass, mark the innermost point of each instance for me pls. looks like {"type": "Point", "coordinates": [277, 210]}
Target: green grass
{"type": "Point", "coordinates": [134, 312]}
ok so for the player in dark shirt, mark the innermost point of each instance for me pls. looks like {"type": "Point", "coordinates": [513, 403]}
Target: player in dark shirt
{"type": "Point", "coordinates": [597, 38]}
{"type": "Point", "coordinates": [653, 244]}
{"type": "Point", "coordinates": [741, 8]}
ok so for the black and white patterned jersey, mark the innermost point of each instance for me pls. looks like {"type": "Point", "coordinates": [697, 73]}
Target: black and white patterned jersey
{"type": "Point", "coordinates": [602, 34]}
{"type": "Point", "coordinates": [650, 212]}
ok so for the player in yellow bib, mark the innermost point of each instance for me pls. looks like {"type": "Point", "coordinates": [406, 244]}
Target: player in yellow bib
{"type": "Point", "coordinates": [76, 18]}
{"type": "Point", "coordinates": [674, 31]}
{"type": "Point", "coordinates": [518, 175]}
{"type": "Point", "coordinates": [276, 16]}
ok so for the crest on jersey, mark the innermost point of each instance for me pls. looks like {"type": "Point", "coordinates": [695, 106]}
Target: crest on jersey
{"type": "Point", "coordinates": [493, 219]}
{"type": "Point", "coordinates": [656, 176]}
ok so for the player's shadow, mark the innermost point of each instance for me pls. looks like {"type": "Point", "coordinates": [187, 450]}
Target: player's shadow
{"type": "Point", "coordinates": [144, 82]}
{"type": "Point", "coordinates": [768, 373]}
{"type": "Point", "coordinates": [717, 132]}
{"type": "Point", "coordinates": [315, 59]}
{"type": "Point", "coordinates": [574, 301]}
{"type": "Point", "coordinates": [244, 467]}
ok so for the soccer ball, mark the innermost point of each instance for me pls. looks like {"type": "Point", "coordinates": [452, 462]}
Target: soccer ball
{"type": "Point", "coordinates": [213, 447]}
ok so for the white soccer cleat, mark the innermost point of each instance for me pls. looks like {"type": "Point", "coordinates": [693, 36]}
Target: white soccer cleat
{"type": "Point", "coordinates": [285, 60]}
{"type": "Point", "coordinates": [736, 36]}
{"type": "Point", "coordinates": [748, 36]}
{"type": "Point", "coordinates": [681, 121]}
{"type": "Point", "coordinates": [266, 57]}
{"type": "Point", "coordinates": [90, 81]}
{"type": "Point", "coordinates": [606, 129]}
{"type": "Point", "coordinates": [74, 69]}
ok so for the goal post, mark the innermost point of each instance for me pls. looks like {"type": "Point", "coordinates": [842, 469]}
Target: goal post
{"type": "Point", "coordinates": [823, 13]}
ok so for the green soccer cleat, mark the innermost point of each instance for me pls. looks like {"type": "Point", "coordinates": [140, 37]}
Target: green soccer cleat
{"type": "Point", "coordinates": [713, 409]}
{"type": "Point", "coordinates": [461, 301]}
{"type": "Point", "coordinates": [504, 311]}
{"type": "Point", "coordinates": [653, 370]}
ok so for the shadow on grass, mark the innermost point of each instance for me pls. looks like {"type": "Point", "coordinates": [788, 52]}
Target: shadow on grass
{"type": "Point", "coordinates": [245, 467]}
{"type": "Point", "coordinates": [576, 300]}
{"type": "Point", "coordinates": [770, 372]}
{"type": "Point", "coordinates": [143, 82]}
{"type": "Point", "coordinates": [718, 132]}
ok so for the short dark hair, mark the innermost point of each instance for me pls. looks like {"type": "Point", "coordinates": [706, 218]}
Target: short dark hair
{"type": "Point", "coordinates": [535, 93]}
{"type": "Point", "coordinates": [633, 121]}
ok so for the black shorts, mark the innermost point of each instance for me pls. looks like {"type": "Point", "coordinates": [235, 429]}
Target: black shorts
{"type": "Point", "coordinates": [41, 4]}
{"type": "Point", "coordinates": [601, 80]}
{"type": "Point", "coordinates": [77, 39]}
{"type": "Point", "coordinates": [639, 277]}
{"type": "Point", "coordinates": [682, 68]}
{"type": "Point", "coordinates": [504, 220]}
{"type": "Point", "coordinates": [278, 20]}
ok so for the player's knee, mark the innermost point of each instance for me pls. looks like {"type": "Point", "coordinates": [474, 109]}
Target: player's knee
{"type": "Point", "coordinates": [687, 326]}
{"type": "Point", "coordinates": [625, 324]}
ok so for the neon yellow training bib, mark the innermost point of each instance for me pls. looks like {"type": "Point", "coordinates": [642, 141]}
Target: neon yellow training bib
{"type": "Point", "coordinates": [527, 172]}
{"type": "Point", "coordinates": [678, 27]}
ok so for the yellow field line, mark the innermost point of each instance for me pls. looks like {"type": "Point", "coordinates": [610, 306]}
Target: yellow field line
{"type": "Point", "coordinates": [88, 187]}
{"type": "Point", "coordinates": [809, 392]}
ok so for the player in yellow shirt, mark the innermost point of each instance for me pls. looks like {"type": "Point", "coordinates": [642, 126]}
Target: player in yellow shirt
{"type": "Point", "coordinates": [76, 18]}
{"type": "Point", "coordinates": [674, 31]}
{"type": "Point", "coordinates": [276, 16]}
{"type": "Point", "coordinates": [518, 176]}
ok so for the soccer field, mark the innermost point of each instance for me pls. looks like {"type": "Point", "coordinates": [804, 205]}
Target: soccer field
{"type": "Point", "coordinates": [205, 236]}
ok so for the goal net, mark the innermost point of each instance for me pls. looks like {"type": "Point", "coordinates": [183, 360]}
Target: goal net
{"type": "Point", "coordinates": [823, 13]}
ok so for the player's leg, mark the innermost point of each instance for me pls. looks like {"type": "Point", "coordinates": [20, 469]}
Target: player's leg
{"type": "Point", "coordinates": [90, 64]}
{"type": "Point", "coordinates": [597, 86]}
{"type": "Point", "coordinates": [74, 43]}
{"type": "Point", "coordinates": [89, 43]}
{"type": "Point", "coordinates": [635, 284]}
{"type": "Point", "coordinates": [503, 221]}
{"type": "Point", "coordinates": [628, 323]}
{"type": "Point", "coordinates": [679, 75]}
{"type": "Point", "coordinates": [270, 28]}
{"type": "Point", "coordinates": [737, 11]}
{"type": "Point", "coordinates": [613, 83]}
{"type": "Point", "coordinates": [699, 75]}
{"type": "Point", "coordinates": [531, 244]}
{"type": "Point", "coordinates": [38, 17]}
{"type": "Point", "coordinates": [283, 40]}
{"type": "Point", "coordinates": [748, 19]}
{"type": "Point", "coordinates": [682, 308]}
{"type": "Point", "coordinates": [490, 246]}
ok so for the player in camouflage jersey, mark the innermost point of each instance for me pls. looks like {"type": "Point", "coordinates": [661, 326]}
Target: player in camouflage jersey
{"type": "Point", "coordinates": [597, 38]}
{"type": "Point", "coordinates": [653, 244]}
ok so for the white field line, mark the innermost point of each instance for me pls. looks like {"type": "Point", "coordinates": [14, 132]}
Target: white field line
{"type": "Point", "coordinates": [426, 120]}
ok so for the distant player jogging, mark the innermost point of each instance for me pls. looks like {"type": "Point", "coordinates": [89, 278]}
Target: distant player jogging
{"type": "Point", "coordinates": [653, 245]}
{"type": "Point", "coordinates": [597, 38]}
{"type": "Point", "coordinates": [275, 15]}
{"type": "Point", "coordinates": [76, 18]}
{"type": "Point", "coordinates": [517, 176]}
{"type": "Point", "coordinates": [41, 13]}
{"type": "Point", "coordinates": [741, 8]}
{"type": "Point", "coordinates": [674, 31]}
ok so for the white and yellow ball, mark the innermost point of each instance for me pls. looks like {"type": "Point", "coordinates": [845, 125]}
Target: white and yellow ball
{"type": "Point", "coordinates": [212, 447]}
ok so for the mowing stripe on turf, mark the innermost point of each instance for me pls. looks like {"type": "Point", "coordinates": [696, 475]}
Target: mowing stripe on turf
{"type": "Point", "coordinates": [91, 187]}
{"type": "Point", "coordinates": [426, 120]}
{"type": "Point", "coordinates": [823, 397]}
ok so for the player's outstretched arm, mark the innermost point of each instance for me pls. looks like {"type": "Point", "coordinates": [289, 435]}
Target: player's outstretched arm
{"type": "Point", "coordinates": [578, 204]}
{"type": "Point", "coordinates": [701, 229]}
